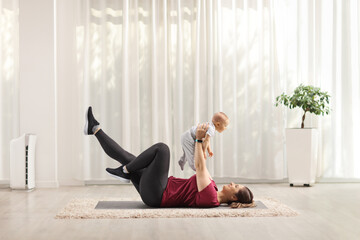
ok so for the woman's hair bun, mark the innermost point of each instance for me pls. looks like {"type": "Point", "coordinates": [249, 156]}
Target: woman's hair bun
{"type": "Point", "coordinates": [242, 205]}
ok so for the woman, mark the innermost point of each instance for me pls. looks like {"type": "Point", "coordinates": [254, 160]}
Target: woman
{"type": "Point", "coordinates": [149, 174]}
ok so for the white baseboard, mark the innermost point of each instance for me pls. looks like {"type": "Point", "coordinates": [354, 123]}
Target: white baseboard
{"type": "Point", "coordinates": [71, 182]}
{"type": "Point", "coordinates": [5, 183]}
{"type": "Point", "coordinates": [217, 180]}
{"type": "Point", "coordinates": [237, 180]}
{"type": "Point", "coordinates": [338, 180]}
{"type": "Point", "coordinates": [225, 180]}
{"type": "Point", "coordinates": [38, 184]}
{"type": "Point", "coordinates": [105, 182]}
{"type": "Point", "coordinates": [285, 180]}
{"type": "Point", "coordinates": [46, 184]}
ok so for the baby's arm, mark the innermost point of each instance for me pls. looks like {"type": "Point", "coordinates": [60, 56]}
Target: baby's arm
{"type": "Point", "coordinates": [206, 146]}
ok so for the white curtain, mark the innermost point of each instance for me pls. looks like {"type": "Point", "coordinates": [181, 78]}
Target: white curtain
{"type": "Point", "coordinates": [9, 45]}
{"type": "Point", "coordinates": [152, 69]}
{"type": "Point", "coordinates": [318, 44]}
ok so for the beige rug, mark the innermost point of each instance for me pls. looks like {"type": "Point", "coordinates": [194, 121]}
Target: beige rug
{"type": "Point", "coordinates": [85, 209]}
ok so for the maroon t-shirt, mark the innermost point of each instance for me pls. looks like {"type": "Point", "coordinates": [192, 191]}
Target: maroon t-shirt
{"type": "Point", "coordinates": [182, 192]}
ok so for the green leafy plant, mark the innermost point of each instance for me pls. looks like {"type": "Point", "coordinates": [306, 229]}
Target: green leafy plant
{"type": "Point", "coordinates": [309, 98]}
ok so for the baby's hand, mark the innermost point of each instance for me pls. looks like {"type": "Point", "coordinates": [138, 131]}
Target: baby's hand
{"type": "Point", "coordinates": [209, 151]}
{"type": "Point", "coordinates": [206, 147]}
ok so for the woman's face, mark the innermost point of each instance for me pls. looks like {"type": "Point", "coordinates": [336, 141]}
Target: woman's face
{"type": "Point", "coordinates": [231, 189]}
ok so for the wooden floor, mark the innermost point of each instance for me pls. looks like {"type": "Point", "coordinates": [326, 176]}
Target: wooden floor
{"type": "Point", "coordinates": [327, 211]}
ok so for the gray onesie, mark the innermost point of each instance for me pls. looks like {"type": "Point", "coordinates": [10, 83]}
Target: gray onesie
{"type": "Point", "coordinates": [188, 145]}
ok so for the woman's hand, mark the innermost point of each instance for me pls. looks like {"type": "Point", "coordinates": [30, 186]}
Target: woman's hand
{"type": "Point", "coordinates": [201, 130]}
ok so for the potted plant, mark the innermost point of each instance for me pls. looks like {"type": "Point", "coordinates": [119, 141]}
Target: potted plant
{"type": "Point", "coordinates": [301, 143]}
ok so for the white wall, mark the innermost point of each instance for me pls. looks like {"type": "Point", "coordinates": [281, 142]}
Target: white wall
{"type": "Point", "coordinates": [37, 95]}
{"type": "Point", "coordinates": [70, 133]}
{"type": "Point", "coordinates": [49, 97]}
{"type": "Point", "coordinates": [49, 102]}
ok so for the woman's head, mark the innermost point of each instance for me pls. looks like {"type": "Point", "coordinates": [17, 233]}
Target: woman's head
{"type": "Point", "coordinates": [238, 195]}
{"type": "Point", "coordinates": [244, 195]}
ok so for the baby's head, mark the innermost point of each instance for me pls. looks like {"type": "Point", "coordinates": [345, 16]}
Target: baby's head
{"type": "Point", "coordinates": [221, 121]}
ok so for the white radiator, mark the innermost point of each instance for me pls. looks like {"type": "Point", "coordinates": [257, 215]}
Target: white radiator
{"type": "Point", "coordinates": [22, 162]}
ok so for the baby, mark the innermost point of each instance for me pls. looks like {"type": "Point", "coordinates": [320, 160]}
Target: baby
{"type": "Point", "coordinates": [219, 123]}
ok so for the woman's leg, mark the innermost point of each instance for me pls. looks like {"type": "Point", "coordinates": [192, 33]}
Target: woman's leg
{"type": "Point", "coordinates": [155, 162]}
{"type": "Point", "coordinates": [92, 126]}
{"type": "Point", "coordinates": [113, 150]}
{"type": "Point", "coordinates": [148, 172]}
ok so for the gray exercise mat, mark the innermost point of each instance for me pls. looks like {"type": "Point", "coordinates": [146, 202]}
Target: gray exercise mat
{"type": "Point", "coordinates": [141, 205]}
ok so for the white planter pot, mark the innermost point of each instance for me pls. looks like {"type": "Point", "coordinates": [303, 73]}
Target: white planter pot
{"type": "Point", "coordinates": [301, 155]}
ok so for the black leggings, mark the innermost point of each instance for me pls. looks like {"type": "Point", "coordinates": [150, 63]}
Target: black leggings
{"type": "Point", "coordinates": [148, 171]}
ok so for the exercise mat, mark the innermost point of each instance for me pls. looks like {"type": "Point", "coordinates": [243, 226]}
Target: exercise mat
{"type": "Point", "coordinates": [85, 208]}
{"type": "Point", "coordinates": [141, 205]}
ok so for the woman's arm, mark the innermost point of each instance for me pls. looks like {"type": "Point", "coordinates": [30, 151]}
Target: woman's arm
{"type": "Point", "coordinates": [202, 174]}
